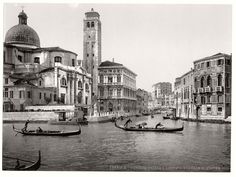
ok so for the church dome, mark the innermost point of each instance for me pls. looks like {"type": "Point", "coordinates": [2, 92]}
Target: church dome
{"type": "Point", "coordinates": [22, 33]}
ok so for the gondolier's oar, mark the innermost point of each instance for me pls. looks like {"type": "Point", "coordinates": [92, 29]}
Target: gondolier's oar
{"type": "Point", "coordinates": [14, 129]}
{"type": "Point", "coordinates": [20, 159]}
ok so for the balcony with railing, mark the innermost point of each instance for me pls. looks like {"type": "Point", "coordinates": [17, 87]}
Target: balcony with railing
{"type": "Point", "coordinates": [219, 89]}
{"type": "Point", "coordinates": [208, 89]}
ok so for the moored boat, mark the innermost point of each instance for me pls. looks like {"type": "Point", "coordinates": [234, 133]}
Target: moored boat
{"type": "Point", "coordinates": [68, 122]}
{"type": "Point", "coordinates": [47, 132]}
{"type": "Point", "coordinates": [161, 129]}
{"type": "Point", "coordinates": [166, 117]}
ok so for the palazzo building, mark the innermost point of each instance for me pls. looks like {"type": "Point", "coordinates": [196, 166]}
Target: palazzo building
{"type": "Point", "coordinates": [116, 88]}
{"type": "Point", "coordinates": [34, 75]}
{"type": "Point", "coordinates": [212, 86]}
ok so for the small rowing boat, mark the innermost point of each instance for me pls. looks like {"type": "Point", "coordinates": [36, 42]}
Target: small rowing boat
{"type": "Point", "coordinates": [159, 129]}
{"type": "Point", "coordinates": [47, 132]}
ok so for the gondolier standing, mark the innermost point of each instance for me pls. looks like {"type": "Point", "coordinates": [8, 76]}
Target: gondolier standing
{"type": "Point", "coordinates": [25, 127]}
{"type": "Point", "coordinates": [127, 122]}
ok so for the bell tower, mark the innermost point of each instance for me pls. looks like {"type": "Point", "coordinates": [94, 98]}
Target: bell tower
{"type": "Point", "coordinates": [92, 46]}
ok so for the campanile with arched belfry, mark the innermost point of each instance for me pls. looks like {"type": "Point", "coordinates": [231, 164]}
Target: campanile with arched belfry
{"type": "Point", "coordinates": [92, 46]}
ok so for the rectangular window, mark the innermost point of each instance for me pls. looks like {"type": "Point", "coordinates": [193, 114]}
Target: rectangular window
{"type": "Point", "coordinates": [220, 99]}
{"type": "Point", "coordinates": [40, 95]}
{"type": "Point", "coordinates": [6, 92]}
{"type": "Point", "coordinates": [219, 62]}
{"type": "Point", "coordinates": [208, 64]}
{"type": "Point", "coordinates": [87, 55]}
{"type": "Point", "coordinates": [73, 62]}
{"type": "Point", "coordinates": [228, 62]}
{"type": "Point", "coordinates": [58, 59]}
{"type": "Point", "coordinates": [208, 109]}
{"type": "Point", "coordinates": [86, 100]}
{"type": "Point", "coordinates": [219, 109]}
{"type": "Point", "coordinates": [208, 99]}
{"type": "Point", "coordinates": [6, 80]}
{"type": "Point", "coordinates": [118, 92]}
{"type": "Point", "coordinates": [101, 79]}
{"type": "Point", "coordinates": [55, 97]}
{"type": "Point", "coordinates": [36, 60]}
{"type": "Point", "coordinates": [109, 79]}
{"type": "Point", "coordinates": [202, 65]}
{"type": "Point", "coordinates": [21, 94]}
{"type": "Point", "coordinates": [28, 94]}
{"type": "Point", "coordinates": [101, 92]}
{"type": "Point", "coordinates": [11, 94]}
{"type": "Point", "coordinates": [110, 92]}
{"type": "Point", "coordinates": [45, 95]}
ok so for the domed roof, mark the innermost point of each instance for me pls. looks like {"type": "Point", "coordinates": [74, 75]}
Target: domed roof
{"type": "Point", "coordinates": [22, 33]}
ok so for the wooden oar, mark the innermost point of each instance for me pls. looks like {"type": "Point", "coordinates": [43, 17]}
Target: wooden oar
{"type": "Point", "coordinates": [20, 159]}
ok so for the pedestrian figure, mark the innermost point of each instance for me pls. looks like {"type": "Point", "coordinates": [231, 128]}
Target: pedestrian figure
{"type": "Point", "coordinates": [127, 122]}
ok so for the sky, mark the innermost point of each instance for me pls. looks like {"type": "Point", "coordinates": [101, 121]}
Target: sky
{"type": "Point", "coordinates": [158, 42]}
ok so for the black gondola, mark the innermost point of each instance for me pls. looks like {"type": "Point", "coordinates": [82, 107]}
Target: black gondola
{"type": "Point", "coordinates": [34, 166]}
{"type": "Point", "coordinates": [161, 129]}
{"type": "Point", "coordinates": [47, 132]}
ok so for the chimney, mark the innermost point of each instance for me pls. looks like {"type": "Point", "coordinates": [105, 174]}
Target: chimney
{"type": "Point", "coordinates": [113, 60]}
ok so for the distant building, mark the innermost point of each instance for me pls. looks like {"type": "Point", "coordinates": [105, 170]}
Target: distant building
{"type": "Point", "coordinates": [142, 101]}
{"type": "Point", "coordinates": [212, 86]}
{"type": "Point", "coordinates": [40, 76]}
{"type": "Point", "coordinates": [184, 95]}
{"type": "Point", "coordinates": [92, 46]}
{"type": "Point", "coordinates": [160, 93]}
{"type": "Point", "coordinates": [116, 88]}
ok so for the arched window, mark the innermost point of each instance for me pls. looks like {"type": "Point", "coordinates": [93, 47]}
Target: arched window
{"type": "Point", "coordinates": [80, 97]}
{"type": "Point", "coordinates": [209, 81]}
{"type": "Point", "coordinates": [63, 82]}
{"type": "Point", "coordinates": [40, 82]}
{"type": "Point", "coordinates": [118, 78]}
{"type": "Point", "coordinates": [195, 83]}
{"type": "Point", "coordinates": [88, 25]}
{"type": "Point", "coordinates": [219, 80]}
{"type": "Point", "coordinates": [202, 81]}
{"type": "Point", "coordinates": [101, 79]}
{"type": "Point", "coordinates": [80, 85]}
{"type": "Point", "coordinates": [92, 24]}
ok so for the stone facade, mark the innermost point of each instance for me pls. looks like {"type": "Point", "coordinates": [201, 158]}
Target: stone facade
{"type": "Point", "coordinates": [116, 88]}
{"type": "Point", "coordinates": [92, 46]}
{"type": "Point", "coordinates": [160, 94]}
{"type": "Point", "coordinates": [42, 76]}
{"type": "Point", "coordinates": [142, 101]}
{"type": "Point", "coordinates": [212, 86]}
{"type": "Point", "coordinates": [205, 91]}
{"type": "Point", "coordinates": [184, 95]}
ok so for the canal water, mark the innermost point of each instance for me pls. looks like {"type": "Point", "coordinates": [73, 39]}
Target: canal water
{"type": "Point", "coordinates": [103, 147]}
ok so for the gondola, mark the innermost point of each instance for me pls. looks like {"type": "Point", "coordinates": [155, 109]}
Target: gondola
{"type": "Point", "coordinates": [47, 132]}
{"type": "Point", "coordinates": [35, 166]}
{"type": "Point", "coordinates": [161, 129]}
